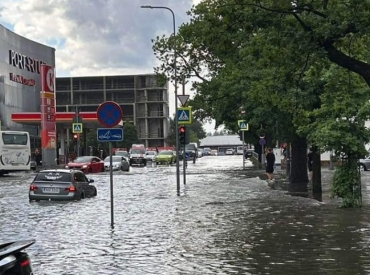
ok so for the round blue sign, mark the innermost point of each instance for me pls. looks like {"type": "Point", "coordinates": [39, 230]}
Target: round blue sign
{"type": "Point", "coordinates": [109, 114]}
{"type": "Point", "coordinates": [262, 141]}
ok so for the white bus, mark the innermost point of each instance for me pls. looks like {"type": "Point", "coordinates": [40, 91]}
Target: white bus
{"type": "Point", "coordinates": [15, 151]}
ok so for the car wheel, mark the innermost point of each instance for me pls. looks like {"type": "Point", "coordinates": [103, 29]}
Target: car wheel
{"type": "Point", "coordinates": [82, 196]}
{"type": "Point", "coordinates": [95, 193]}
{"type": "Point", "coordinates": [90, 170]}
{"type": "Point", "coordinates": [362, 167]}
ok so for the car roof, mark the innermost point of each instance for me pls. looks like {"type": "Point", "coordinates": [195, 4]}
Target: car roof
{"type": "Point", "coordinates": [59, 171]}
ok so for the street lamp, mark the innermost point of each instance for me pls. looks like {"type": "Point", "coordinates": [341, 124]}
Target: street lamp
{"type": "Point", "coordinates": [176, 122]}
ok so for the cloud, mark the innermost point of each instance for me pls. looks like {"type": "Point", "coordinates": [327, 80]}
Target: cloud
{"type": "Point", "coordinates": [95, 37]}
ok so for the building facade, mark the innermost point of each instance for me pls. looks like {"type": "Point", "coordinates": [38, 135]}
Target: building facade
{"type": "Point", "coordinates": [143, 101]}
{"type": "Point", "coordinates": [20, 80]}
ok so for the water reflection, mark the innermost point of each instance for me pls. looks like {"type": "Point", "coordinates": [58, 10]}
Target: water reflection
{"type": "Point", "coordinates": [226, 221]}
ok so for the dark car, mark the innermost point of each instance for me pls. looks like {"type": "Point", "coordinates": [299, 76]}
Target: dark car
{"type": "Point", "coordinates": [248, 153]}
{"type": "Point", "coordinates": [191, 151]}
{"type": "Point", "coordinates": [61, 184]}
{"type": "Point", "coordinates": [13, 260]}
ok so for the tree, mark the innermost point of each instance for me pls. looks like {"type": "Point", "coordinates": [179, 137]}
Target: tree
{"type": "Point", "coordinates": [195, 132]}
{"type": "Point", "coordinates": [130, 136]}
{"type": "Point", "coordinates": [271, 58]}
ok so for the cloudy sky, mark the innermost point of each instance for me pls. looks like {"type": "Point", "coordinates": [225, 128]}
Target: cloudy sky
{"type": "Point", "coordinates": [97, 37]}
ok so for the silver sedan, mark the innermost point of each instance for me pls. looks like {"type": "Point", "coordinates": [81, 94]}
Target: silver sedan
{"type": "Point", "coordinates": [119, 163]}
{"type": "Point", "coordinates": [364, 164]}
{"type": "Point", "coordinates": [61, 184]}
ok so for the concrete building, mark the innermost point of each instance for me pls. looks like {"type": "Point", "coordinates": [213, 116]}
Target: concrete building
{"type": "Point", "coordinates": [142, 100]}
{"type": "Point", "coordinates": [221, 143]}
{"type": "Point", "coordinates": [20, 81]}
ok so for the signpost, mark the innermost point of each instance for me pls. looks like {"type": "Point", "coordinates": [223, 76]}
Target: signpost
{"type": "Point", "coordinates": [184, 116]}
{"type": "Point", "coordinates": [243, 126]}
{"type": "Point", "coordinates": [109, 114]}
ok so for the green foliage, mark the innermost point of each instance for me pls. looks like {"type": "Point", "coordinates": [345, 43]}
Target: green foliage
{"type": "Point", "coordinates": [299, 70]}
{"type": "Point", "coordinates": [196, 132]}
{"type": "Point", "coordinates": [346, 184]}
{"type": "Point", "coordinates": [130, 136]}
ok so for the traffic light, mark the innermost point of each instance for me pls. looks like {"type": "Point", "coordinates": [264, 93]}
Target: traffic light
{"type": "Point", "coordinates": [182, 135]}
{"type": "Point", "coordinates": [75, 137]}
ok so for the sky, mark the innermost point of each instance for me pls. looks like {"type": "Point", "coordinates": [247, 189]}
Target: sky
{"type": "Point", "coordinates": [98, 37]}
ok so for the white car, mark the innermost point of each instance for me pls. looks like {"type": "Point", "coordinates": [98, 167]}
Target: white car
{"type": "Point", "coordinates": [150, 155]}
{"type": "Point", "coordinates": [229, 152]}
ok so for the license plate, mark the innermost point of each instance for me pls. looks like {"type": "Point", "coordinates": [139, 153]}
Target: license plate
{"type": "Point", "coordinates": [50, 190]}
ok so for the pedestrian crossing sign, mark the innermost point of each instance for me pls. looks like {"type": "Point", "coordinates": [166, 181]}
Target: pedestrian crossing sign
{"type": "Point", "coordinates": [77, 128]}
{"type": "Point", "coordinates": [184, 115]}
{"type": "Point", "coordinates": [243, 125]}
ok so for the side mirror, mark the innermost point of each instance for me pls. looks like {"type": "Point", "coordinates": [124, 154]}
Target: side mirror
{"type": "Point", "coordinates": [91, 180]}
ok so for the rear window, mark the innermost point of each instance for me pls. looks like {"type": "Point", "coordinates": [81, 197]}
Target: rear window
{"type": "Point", "coordinates": [53, 176]}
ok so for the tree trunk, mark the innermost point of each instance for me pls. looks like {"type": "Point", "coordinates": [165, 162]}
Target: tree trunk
{"type": "Point", "coordinates": [298, 173]}
{"type": "Point", "coordinates": [316, 168]}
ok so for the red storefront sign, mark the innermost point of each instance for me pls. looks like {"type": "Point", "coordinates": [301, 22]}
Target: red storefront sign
{"type": "Point", "coordinates": [48, 132]}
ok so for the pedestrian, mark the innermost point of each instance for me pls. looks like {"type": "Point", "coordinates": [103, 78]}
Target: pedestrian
{"type": "Point", "coordinates": [310, 163]}
{"type": "Point", "coordinates": [38, 157]}
{"type": "Point", "coordinates": [270, 163]}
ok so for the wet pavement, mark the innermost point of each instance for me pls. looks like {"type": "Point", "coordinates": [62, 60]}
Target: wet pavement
{"type": "Point", "coordinates": [226, 221]}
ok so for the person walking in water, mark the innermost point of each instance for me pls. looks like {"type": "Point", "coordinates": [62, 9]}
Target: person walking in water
{"type": "Point", "coordinates": [270, 163]}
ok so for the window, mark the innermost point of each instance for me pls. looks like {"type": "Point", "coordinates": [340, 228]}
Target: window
{"type": "Point", "coordinates": [18, 139]}
{"type": "Point", "coordinates": [53, 176]}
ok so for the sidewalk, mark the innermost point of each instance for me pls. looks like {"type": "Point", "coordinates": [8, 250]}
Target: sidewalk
{"type": "Point", "coordinates": [282, 183]}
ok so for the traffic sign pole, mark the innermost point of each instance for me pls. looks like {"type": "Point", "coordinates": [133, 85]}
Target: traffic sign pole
{"type": "Point", "coordinates": [109, 114]}
{"type": "Point", "coordinates": [243, 150]}
{"type": "Point", "coordinates": [111, 185]}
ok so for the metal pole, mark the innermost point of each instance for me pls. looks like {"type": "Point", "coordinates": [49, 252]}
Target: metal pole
{"type": "Point", "coordinates": [111, 185]}
{"type": "Point", "coordinates": [243, 150]}
{"type": "Point", "coordinates": [184, 162]}
{"type": "Point", "coordinates": [78, 137]}
{"type": "Point", "coordinates": [176, 108]}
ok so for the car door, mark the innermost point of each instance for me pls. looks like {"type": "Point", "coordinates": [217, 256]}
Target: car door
{"type": "Point", "coordinates": [81, 182]}
{"type": "Point", "coordinates": [97, 165]}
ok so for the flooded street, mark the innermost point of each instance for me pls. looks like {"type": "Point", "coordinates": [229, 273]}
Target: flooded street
{"type": "Point", "coordinates": [226, 221]}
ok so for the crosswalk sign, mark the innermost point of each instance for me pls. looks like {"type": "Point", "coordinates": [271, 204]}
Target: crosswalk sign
{"type": "Point", "coordinates": [77, 128]}
{"type": "Point", "coordinates": [184, 115]}
{"type": "Point", "coordinates": [243, 125]}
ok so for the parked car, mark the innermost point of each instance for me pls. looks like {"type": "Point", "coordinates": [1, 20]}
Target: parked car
{"type": "Point", "coordinates": [150, 155]}
{"type": "Point", "coordinates": [118, 163]}
{"type": "Point", "coordinates": [249, 153]}
{"type": "Point", "coordinates": [229, 152]}
{"type": "Point", "coordinates": [13, 260]}
{"type": "Point", "coordinates": [206, 151]}
{"type": "Point", "coordinates": [123, 153]}
{"type": "Point", "coordinates": [61, 184]}
{"type": "Point", "coordinates": [165, 157]}
{"type": "Point", "coordinates": [213, 153]}
{"type": "Point", "coordinates": [87, 164]}
{"type": "Point", "coordinates": [364, 164]}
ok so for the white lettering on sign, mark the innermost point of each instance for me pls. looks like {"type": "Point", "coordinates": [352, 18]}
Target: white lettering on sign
{"type": "Point", "coordinates": [24, 62]}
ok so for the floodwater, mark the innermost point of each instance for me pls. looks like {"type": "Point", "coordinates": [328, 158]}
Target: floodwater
{"type": "Point", "coordinates": [225, 221]}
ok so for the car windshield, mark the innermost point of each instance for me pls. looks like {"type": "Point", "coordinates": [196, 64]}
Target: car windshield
{"type": "Point", "coordinates": [166, 153]}
{"type": "Point", "coordinates": [122, 153]}
{"type": "Point", "coordinates": [150, 153]}
{"type": "Point", "coordinates": [53, 176]}
{"type": "Point", "coordinates": [82, 159]}
{"type": "Point", "coordinates": [137, 151]}
{"type": "Point", "coordinates": [114, 159]}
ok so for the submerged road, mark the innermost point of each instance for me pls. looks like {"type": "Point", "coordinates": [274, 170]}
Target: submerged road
{"type": "Point", "coordinates": [226, 221]}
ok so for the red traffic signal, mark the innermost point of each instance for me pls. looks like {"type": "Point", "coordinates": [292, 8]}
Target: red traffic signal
{"type": "Point", "coordinates": [182, 135]}
{"type": "Point", "coordinates": [75, 136]}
